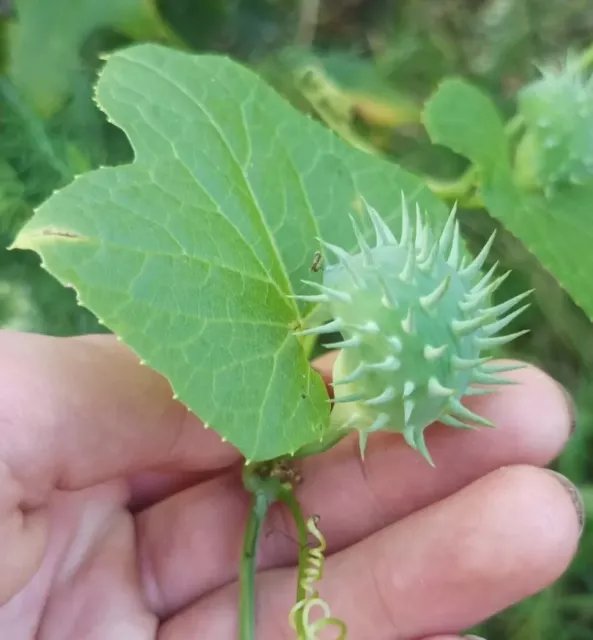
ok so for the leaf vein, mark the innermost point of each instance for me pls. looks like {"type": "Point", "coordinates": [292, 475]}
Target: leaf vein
{"type": "Point", "coordinates": [225, 141]}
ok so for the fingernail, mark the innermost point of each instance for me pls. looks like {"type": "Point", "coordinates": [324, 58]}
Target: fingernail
{"type": "Point", "coordinates": [575, 495]}
{"type": "Point", "coordinates": [572, 408]}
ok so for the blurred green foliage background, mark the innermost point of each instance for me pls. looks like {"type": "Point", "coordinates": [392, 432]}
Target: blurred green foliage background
{"type": "Point", "coordinates": [364, 68]}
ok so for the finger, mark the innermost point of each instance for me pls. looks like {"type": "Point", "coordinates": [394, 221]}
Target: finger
{"type": "Point", "coordinates": [441, 570]}
{"type": "Point", "coordinates": [149, 487]}
{"type": "Point", "coordinates": [87, 585]}
{"type": "Point", "coordinates": [533, 423]}
{"type": "Point", "coordinates": [324, 365]}
{"type": "Point", "coordinates": [353, 500]}
{"type": "Point", "coordinates": [79, 411]}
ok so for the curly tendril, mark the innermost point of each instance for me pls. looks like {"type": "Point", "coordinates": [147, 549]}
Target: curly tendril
{"type": "Point", "coordinates": [311, 574]}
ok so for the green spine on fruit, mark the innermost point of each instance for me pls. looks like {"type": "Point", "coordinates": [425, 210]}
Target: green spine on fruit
{"type": "Point", "coordinates": [416, 322]}
{"type": "Point", "coordinates": [557, 148]}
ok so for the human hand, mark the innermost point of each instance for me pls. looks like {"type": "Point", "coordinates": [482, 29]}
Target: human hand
{"type": "Point", "coordinates": [121, 517]}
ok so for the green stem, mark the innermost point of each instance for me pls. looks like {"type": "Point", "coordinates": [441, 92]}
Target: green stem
{"type": "Point", "coordinates": [265, 492]}
{"type": "Point", "coordinates": [454, 189]}
{"type": "Point", "coordinates": [257, 514]}
{"type": "Point", "coordinates": [513, 126]}
{"type": "Point", "coordinates": [308, 19]}
{"type": "Point", "coordinates": [586, 59]}
{"type": "Point", "coordinates": [290, 500]}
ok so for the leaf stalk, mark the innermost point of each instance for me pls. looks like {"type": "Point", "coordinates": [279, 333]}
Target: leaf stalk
{"type": "Point", "coordinates": [265, 491]}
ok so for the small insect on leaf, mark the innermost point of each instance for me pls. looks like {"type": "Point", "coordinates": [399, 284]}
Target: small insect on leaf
{"type": "Point", "coordinates": [317, 261]}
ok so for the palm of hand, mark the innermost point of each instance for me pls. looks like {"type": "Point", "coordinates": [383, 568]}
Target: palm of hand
{"type": "Point", "coordinates": [121, 517]}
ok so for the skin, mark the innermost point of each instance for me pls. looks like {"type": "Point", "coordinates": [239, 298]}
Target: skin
{"type": "Point", "coordinates": [121, 517]}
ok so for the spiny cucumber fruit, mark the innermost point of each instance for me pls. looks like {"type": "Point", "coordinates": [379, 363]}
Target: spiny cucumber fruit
{"type": "Point", "coordinates": [557, 147]}
{"type": "Point", "coordinates": [415, 322]}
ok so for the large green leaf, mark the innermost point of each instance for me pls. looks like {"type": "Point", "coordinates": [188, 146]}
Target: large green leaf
{"type": "Point", "coordinates": [190, 253]}
{"type": "Point", "coordinates": [558, 229]}
{"type": "Point", "coordinates": [47, 36]}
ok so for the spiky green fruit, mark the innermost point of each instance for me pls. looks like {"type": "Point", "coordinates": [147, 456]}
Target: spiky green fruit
{"type": "Point", "coordinates": [415, 323]}
{"type": "Point", "coordinates": [557, 147]}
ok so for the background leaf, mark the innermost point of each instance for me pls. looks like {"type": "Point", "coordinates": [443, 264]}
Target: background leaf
{"type": "Point", "coordinates": [64, 26]}
{"type": "Point", "coordinates": [190, 253]}
{"type": "Point", "coordinates": [556, 228]}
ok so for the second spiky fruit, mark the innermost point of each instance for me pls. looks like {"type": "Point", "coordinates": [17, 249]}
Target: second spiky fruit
{"type": "Point", "coordinates": [557, 147]}
{"type": "Point", "coordinates": [416, 323]}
